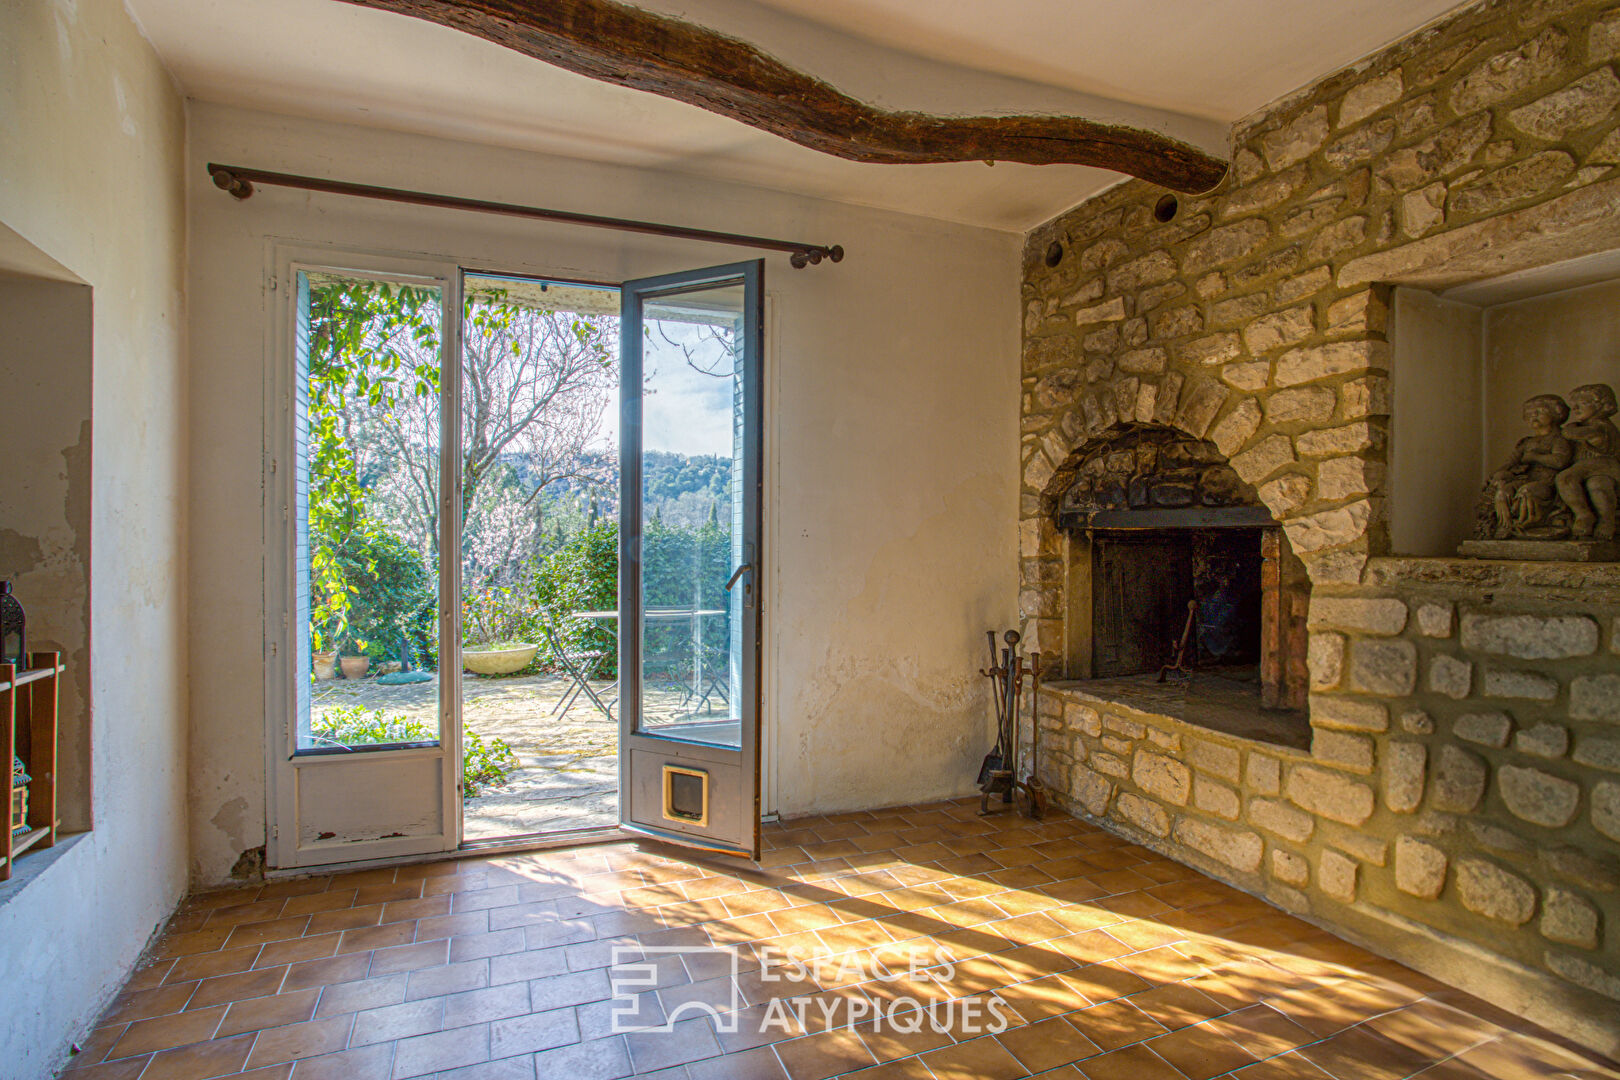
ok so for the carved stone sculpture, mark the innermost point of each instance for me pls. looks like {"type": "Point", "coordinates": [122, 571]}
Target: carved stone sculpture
{"type": "Point", "coordinates": [1524, 491]}
{"type": "Point", "coordinates": [1556, 497]}
{"type": "Point", "coordinates": [1589, 486]}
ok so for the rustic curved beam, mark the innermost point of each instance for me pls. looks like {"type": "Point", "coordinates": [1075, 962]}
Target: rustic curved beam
{"type": "Point", "coordinates": [630, 47]}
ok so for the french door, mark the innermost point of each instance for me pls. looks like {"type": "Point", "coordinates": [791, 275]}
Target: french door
{"type": "Point", "coordinates": [690, 383]}
{"type": "Point", "coordinates": [351, 581]}
{"type": "Point", "coordinates": [365, 386]}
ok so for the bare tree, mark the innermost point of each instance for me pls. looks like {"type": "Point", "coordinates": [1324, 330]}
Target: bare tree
{"type": "Point", "coordinates": [535, 383]}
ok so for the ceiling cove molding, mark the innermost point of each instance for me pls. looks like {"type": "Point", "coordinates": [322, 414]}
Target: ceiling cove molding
{"type": "Point", "coordinates": [630, 47]}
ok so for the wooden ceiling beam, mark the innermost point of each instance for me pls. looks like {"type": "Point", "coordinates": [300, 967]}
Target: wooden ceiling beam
{"type": "Point", "coordinates": [631, 47]}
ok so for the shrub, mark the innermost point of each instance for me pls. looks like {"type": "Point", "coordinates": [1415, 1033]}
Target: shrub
{"type": "Point", "coordinates": [391, 593]}
{"type": "Point", "coordinates": [683, 567]}
{"type": "Point", "coordinates": [496, 615]}
{"type": "Point", "coordinates": [483, 762]}
{"type": "Point", "coordinates": [583, 575]}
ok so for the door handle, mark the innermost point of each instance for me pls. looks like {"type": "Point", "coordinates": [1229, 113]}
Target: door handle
{"type": "Point", "coordinates": [737, 573]}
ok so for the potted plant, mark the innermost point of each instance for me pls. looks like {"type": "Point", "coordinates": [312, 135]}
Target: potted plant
{"type": "Point", "coordinates": [325, 664]}
{"type": "Point", "coordinates": [493, 620]}
{"type": "Point", "coordinates": [498, 658]}
{"type": "Point", "coordinates": [353, 658]}
{"type": "Point", "coordinates": [324, 660]}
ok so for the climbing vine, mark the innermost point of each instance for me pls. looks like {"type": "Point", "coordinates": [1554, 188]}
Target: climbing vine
{"type": "Point", "coordinates": [373, 342]}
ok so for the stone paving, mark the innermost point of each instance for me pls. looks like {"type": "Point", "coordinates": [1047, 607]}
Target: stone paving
{"type": "Point", "coordinates": [568, 775]}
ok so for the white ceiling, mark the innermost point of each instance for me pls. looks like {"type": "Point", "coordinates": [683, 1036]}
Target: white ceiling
{"type": "Point", "coordinates": [1184, 67]}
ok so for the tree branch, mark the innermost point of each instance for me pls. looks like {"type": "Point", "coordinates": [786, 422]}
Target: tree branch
{"type": "Point", "coordinates": [630, 47]}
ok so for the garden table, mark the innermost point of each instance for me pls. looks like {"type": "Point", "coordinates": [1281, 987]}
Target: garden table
{"type": "Point", "coordinates": [609, 617]}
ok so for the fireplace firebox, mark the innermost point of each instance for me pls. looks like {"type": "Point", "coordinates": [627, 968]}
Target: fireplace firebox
{"type": "Point", "coordinates": [1161, 532]}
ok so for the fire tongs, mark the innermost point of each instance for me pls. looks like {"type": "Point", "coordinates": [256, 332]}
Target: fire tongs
{"type": "Point", "coordinates": [1182, 659]}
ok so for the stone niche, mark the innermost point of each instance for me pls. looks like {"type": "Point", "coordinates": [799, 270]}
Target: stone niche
{"type": "Point", "coordinates": [1465, 359]}
{"type": "Point", "coordinates": [1454, 801]}
{"type": "Point", "coordinates": [1164, 542]}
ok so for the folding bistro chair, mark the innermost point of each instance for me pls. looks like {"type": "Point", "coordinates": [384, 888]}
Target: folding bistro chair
{"type": "Point", "coordinates": [717, 675]}
{"type": "Point", "coordinates": [576, 667]}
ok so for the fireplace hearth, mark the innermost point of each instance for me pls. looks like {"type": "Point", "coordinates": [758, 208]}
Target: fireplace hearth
{"type": "Point", "coordinates": [1161, 530]}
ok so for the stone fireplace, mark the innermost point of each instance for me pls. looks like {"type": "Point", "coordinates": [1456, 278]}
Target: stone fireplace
{"type": "Point", "coordinates": [1173, 562]}
{"type": "Point", "coordinates": [1210, 396]}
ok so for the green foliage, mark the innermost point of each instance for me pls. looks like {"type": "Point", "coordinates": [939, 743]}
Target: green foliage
{"type": "Point", "coordinates": [583, 575]}
{"type": "Point", "coordinates": [497, 614]}
{"type": "Point", "coordinates": [483, 761]}
{"type": "Point", "coordinates": [682, 567]}
{"type": "Point", "coordinates": [366, 339]}
{"type": "Point", "coordinates": [685, 567]}
{"type": "Point", "coordinates": [667, 476]}
{"type": "Point", "coordinates": [391, 593]}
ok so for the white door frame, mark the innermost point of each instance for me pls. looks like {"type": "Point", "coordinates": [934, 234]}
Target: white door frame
{"type": "Point", "coordinates": [282, 652]}
{"type": "Point", "coordinates": [300, 788]}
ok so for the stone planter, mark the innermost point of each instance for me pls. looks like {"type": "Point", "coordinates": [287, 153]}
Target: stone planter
{"type": "Point", "coordinates": [355, 667]}
{"type": "Point", "coordinates": [325, 665]}
{"type": "Point", "coordinates": [498, 661]}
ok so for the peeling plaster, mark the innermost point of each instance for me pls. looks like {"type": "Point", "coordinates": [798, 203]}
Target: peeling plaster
{"type": "Point", "coordinates": [909, 719]}
{"type": "Point", "coordinates": [19, 552]}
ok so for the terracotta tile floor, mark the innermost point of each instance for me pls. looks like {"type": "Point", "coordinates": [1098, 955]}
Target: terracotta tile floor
{"type": "Point", "coordinates": [1052, 949]}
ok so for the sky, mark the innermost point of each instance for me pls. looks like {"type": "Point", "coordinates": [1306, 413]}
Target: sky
{"type": "Point", "coordinates": [686, 410]}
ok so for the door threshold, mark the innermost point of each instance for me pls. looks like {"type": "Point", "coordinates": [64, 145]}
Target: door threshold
{"type": "Point", "coordinates": [601, 834]}
{"type": "Point", "coordinates": [510, 845]}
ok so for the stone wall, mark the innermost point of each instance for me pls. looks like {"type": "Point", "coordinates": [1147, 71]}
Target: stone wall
{"type": "Point", "coordinates": [1460, 805]}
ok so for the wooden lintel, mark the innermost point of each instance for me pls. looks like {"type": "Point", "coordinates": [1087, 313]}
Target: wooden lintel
{"type": "Point", "coordinates": [631, 47]}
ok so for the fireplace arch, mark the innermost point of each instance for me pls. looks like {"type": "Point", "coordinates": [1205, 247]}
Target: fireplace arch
{"type": "Point", "coordinates": [1171, 559]}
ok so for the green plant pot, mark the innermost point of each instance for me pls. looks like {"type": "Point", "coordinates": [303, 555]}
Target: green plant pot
{"type": "Point", "coordinates": [498, 661]}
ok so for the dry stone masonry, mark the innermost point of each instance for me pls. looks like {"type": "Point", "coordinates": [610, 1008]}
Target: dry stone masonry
{"type": "Point", "coordinates": [1460, 798]}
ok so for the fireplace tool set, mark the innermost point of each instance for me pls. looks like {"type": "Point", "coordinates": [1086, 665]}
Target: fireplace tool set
{"type": "Point", "coordinates": [998, 775]}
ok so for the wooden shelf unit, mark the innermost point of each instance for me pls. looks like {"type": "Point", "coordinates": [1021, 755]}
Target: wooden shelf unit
{"type": "Point", "coordinates": [28, 705]}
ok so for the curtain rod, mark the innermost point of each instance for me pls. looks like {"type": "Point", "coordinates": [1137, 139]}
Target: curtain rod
{"type": "Point", "coordinates": [239, 181]}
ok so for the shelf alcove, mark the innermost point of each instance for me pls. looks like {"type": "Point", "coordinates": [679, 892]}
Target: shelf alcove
{"type": "Point", "coordinates": [1464, 360]}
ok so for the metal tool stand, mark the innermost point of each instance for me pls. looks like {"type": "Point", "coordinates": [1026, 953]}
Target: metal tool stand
{"type": "Point", "coordinates": [1182, 661]}
{"type": "Point", "coordinates": [997, 772]}
{"type": "Point", "coordinates": [1031, 794]}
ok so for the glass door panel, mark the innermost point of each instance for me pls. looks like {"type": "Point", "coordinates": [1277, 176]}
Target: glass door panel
{"type": "Point", "coordinates": [691, 615]}
{"type": "Point", "coordinates": [367, 477]}
{"type": "Point", "coordinates": [363, 752]}
{"type": "Point", "coordinates": [690, 451]}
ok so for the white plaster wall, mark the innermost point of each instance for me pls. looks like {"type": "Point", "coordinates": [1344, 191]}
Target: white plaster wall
{"type": "Point", "coordinates": [1436, 426]}
{"type": "Point", "coordinates": [892, 384]}
{"type": "Point", "coordinates": [92, 141]}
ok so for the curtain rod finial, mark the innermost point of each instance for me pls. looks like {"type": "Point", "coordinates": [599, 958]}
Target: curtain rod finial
{"type": "Point", "coordinates": [228, 181]}
{"type": "Point", "coordinates": [812, 256]}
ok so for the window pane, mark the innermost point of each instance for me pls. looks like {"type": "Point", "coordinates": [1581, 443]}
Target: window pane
{"type": "Point", "coordinates": [691, 514]}
{"type": "Point", "coordinates": [367, 480]}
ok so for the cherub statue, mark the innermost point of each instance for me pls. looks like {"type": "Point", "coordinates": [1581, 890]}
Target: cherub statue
{"type": "Point", "coordinates": [1524, 491]}
{"type": "Point", "coordinates": [1589, 486]}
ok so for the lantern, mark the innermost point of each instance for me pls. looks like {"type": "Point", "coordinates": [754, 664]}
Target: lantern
{"type": "Point", "coordinates": [13, 637]}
